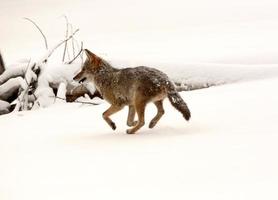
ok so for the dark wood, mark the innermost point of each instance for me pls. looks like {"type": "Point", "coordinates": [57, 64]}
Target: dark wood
{"type": "Point", "coordinates": [80, 91]}
{"type": "Point", "coordinates": [2, 64]}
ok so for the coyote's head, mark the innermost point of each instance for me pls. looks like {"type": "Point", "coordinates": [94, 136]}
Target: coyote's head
{"type": "Point", "coordinates": [92, 64]}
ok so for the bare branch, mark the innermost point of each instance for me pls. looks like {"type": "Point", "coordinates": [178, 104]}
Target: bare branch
{"type": "Point", "coordinates": [50, 52]}
{"type": "Point", "coordinates": [76, 101]}
{"type": "Point", "coordinates": [67, 33]}
{"type": "Point", "coordinates": [45, 40]}
{"type": "Point", "coordinates": [72, 41]}
{"type": "Point", "coordinates": [81, 49]}
{"type": "Point", "coordinates": [76, 43]}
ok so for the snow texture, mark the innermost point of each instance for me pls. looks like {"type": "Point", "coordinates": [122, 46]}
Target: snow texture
{"type": "Point", "coordinates": [227, 151]}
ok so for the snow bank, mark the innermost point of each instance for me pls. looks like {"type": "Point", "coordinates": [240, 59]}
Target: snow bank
{"type": "Point", "coordinates": [201, 75]}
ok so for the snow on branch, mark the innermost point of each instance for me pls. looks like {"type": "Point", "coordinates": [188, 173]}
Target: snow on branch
{"type": "Point", "coordinates": [10, 87]}
{"type": "Point", "coordinates": [26, 86]}
{"type": "Point", "coordinates": [23, 98]}
{"type": "Point", "coordinates": [4, 107]}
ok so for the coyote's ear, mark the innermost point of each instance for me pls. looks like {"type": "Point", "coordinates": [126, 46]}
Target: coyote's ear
{"type": "Point", "coordinates": [92, 57]}
{"type": "Point", "coordinates": [89, 53]}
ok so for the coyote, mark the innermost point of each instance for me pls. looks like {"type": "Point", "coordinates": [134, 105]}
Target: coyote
{"type": "Point", "coordinates": [133, 87]}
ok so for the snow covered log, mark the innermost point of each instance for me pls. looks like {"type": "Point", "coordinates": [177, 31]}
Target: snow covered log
{"type": "Point", "coordinates": [2, 65]}
{"type": "Point", "coordinates": [79, 91]}
{"type": "Point", "coordinates": [28, 85]}
{"type": "Point", "coordinates": [11, 88]}
{"type": "Point", "coordinates": [4, 107]}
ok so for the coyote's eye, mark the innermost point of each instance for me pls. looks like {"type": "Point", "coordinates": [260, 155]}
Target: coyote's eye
{"type": "Point", "coordinates": [82, 80]}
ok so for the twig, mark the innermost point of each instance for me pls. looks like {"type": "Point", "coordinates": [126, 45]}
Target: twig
{"type": "Point", "coordinates": [45, 40]}
{"type": "Point", "coordinates": [72, 42]}
{"type": "Point", "coordinates": [82, 58]}
{"type": "Point", "coordinates": [81, 49]}
{"type": "Point", "coordinates": [21, 96]}
{"type": "Point", "coordinates": [76, 43]}
{"type": "Point", "coordinates": [28, 84]}
{"type": "Point", "coordinates": [44, 59]}
{"type": "Point", "coordinates": [29, 61]}
{"type": "Point", "coordinates": [76, 101]}
{"type": "Point", "coordinates": [67, 33]}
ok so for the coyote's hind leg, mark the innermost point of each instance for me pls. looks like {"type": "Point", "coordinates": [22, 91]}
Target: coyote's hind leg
{"type": "Point", "coordinates": [140, 106]}
{"type": "Point", "coordinates": [160, 112]}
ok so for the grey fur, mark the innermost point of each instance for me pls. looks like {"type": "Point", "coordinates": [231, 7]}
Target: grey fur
{"type": "Point", "coordinates": [133, 87]}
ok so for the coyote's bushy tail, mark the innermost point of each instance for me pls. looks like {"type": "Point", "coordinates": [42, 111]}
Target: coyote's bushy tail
{"type": "Point", "coordinates": [2, 65]}
{"type": "Point", "coordinates": [176, 101]}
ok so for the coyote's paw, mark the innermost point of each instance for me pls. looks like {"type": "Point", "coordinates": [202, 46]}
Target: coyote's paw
{"type": "Point", "coordinates": [130, 131]}
{"type": "Point", "coordinates": [152, 123]}
{"type": "Point", "coordinates": [112, 125]}
{"type": "Point", "coordinates": [130, 124]}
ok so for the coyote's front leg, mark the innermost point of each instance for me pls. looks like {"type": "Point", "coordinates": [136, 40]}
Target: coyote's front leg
{"type": "Point", "coordinates": [110, 111]}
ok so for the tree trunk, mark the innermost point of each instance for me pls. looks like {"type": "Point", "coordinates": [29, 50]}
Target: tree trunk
{"type": "Point", "coordinates": [2, 64]}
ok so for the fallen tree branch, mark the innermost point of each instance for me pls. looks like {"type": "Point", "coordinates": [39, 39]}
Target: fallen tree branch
{"type": "Point", "coordinates": [4, 107]}
{"type": "Point", "coordinates": [11, 73]}
{"type": "Point", "coordinates": [11, 87]}
{"type": "Point", "coordinates": [74, 92]}
{"type": "Point", "coordinates": [2, 64]}
{"type": "Point", "coordinates": [34, 23]}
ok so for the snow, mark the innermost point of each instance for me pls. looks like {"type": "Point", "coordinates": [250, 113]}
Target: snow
{"type": "Point", "coordinates": [54, 74]}
{"type": "Point", "coordinates": [211, 74]}
{"type": "Point", "coordinates": [226, 151]}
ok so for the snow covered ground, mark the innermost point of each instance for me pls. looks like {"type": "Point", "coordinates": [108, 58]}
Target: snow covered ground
{"type": "Point", "coordinates": [226, 151]}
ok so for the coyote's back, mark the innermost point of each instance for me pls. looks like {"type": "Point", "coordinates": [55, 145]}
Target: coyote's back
{"type": "Point", "coordinates": [133, 87]}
